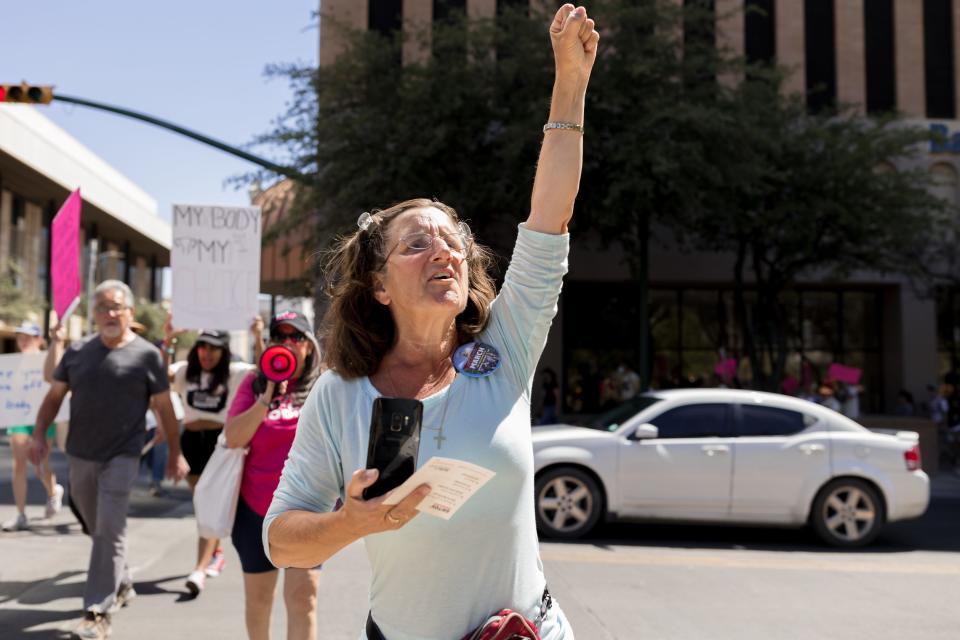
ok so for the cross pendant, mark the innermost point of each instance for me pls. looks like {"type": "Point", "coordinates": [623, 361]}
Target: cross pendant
{"type": "Point", "coordinates": [439, 438]}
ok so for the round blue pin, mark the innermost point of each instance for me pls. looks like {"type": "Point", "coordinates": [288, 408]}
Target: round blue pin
{"type": "Point", "coordinates": [476, 359]}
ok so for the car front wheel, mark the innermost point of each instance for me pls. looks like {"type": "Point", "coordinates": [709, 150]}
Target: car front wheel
{"type": "Point", "coordinates": [848, 513]}
{"type": "Point", "coordinates": [568, 503]}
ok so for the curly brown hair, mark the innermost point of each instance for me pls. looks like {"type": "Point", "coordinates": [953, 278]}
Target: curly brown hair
{"type": "Point", "coordinates": [357, 331]}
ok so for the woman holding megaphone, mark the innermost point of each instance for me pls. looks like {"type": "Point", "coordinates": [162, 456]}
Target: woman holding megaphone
{"type": "Point", "coordinates": [263, 417]}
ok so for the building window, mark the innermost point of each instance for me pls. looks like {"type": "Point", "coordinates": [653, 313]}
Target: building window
{"type": "Point", "coordinates": [821, 53]}
{"type": "Point", "coordinates": [444, 10]}
{"type": "Point", "coordinates": [449, 40]}
{"type": "Point", "coordinates": [938, 58]}
{"type": "Point", "coordinates": [385, 16]}
{"type": "Point", "coordinates": [759, 31]}
{"type": "Point", "coordinates": [880, 67]}
{"type": "Point", "coordinates": [509, 5]}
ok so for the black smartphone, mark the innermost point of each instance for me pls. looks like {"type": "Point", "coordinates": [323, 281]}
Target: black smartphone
{"type": "Point", "coordinates": [394, 443]}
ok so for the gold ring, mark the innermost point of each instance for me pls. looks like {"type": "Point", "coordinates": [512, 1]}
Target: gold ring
{"type": "Point", "coordinates": [393, 519]}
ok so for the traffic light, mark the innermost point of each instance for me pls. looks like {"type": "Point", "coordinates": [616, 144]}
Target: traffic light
{"type": "Point", "coordinates": [26, 93]}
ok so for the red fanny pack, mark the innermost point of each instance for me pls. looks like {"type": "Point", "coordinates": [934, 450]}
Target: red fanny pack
{"type": "Point", "coordinates": [506, 624]}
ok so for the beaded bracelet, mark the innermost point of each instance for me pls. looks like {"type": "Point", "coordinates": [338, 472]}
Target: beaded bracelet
{"type": "Point", "coordinates": [563, 125]}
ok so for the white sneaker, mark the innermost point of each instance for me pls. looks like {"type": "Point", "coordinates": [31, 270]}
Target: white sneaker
{"type": "Point", "coordinates": [18, 523]}
{"type": "Point", "coordinates": [54, 502]}
{"type": "Point", "coordinates": [195, 582]}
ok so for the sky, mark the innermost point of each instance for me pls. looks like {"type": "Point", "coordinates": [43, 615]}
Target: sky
{"type": "Point", "coordinates": [199, 64]}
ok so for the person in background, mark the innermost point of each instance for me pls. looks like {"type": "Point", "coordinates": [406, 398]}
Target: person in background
{"type": "Point", "coordinates": [551, 397]}
{"type": "Point", "coordinates": [264, 416]}
{"type": "Point", "coordinates": [937, 404]}
{"type": "Point", "coordinates": [905, 405]}
{"type": "Point", "coordinates": [827, 397]}
{"type": "Point", "coordinates": [849, 397]}
{"type": "Point", "coordinates": [256, 332]}
{"type": "Point", "coordinates": [154, 455]}
{"type": "Point", "coordinates": [113, 376]}
{"type": "Point", "coordinates": [30, 340]}
{"type": "Point", "coordinates": [207, 382]}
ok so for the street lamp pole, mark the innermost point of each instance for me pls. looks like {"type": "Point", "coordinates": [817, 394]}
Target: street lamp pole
{"type": "Point", "coordinates": [199, 137]}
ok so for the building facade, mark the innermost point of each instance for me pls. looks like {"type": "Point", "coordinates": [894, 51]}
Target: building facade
{"type": "Point", "coordinates": [121, 234]}
{"type": "Point", "coordinates": [880, 55]}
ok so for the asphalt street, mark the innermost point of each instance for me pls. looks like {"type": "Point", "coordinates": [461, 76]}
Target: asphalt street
{"type": "Point", "coordinates": [627, 581]}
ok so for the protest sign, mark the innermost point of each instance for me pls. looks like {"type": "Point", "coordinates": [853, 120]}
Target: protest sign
{"type": "Point", "coordinates": [216, 266]}
{"type": "Point", "coordinates": [843, 373]}
{"type": "Point", "coordinates": [22, 389]}
{"type": "Point", "coordinates": [65, 256]}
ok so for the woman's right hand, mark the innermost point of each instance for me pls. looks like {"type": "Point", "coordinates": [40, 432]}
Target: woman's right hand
{"type": "Point", "coordinates": [372, 516]}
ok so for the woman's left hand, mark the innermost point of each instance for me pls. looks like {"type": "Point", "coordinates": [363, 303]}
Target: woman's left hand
{"type": "Point", "coordinates": [574, 38]}
{"type": "Point", "coordinates": [372, 516]}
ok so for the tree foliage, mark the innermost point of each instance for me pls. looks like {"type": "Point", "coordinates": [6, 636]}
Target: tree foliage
{"type": "Point", "coordinates": [16, 304]}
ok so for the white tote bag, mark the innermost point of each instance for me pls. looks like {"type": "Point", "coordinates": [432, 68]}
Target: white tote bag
{"type": "Point", "coordinates": [216, 493]}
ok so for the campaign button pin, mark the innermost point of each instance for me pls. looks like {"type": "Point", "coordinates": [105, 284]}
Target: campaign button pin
{"type": "Point", "coordinates": [476, 359]}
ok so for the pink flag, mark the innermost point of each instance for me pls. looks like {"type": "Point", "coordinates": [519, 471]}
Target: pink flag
{"type": "Point", "coordinates": [65, 256]}
{"type": "Point", "coordinates": [843, 373]}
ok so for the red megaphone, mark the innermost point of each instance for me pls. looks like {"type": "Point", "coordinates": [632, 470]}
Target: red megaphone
{"type": "Point", "coordinates": [278, 363]}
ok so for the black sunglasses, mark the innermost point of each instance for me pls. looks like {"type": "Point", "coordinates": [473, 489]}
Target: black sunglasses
{"type": "Point", "coordinates": [296, 336]}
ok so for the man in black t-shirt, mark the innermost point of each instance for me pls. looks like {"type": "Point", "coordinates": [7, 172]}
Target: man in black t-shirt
{"type": "Point", "coordinates": [114, 377]}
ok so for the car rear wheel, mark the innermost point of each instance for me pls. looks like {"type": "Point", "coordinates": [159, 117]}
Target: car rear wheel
{"type": "Point", "coordinates": [568, 503]}
{"type": "Point", "coordinates": [848, 513]}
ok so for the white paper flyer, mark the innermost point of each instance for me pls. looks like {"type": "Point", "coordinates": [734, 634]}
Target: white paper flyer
{"type": "Point", "coordinates": [452, 482]}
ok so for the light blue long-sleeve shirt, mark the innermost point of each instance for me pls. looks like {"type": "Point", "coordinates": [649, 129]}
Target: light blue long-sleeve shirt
{"type": "Point", "coordinates": [438, 579]}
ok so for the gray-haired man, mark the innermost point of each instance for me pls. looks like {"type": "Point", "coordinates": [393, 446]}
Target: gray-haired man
{"type": "Point", "coordinates": [114, 376]}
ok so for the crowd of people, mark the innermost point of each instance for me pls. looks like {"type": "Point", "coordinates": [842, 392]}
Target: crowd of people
{"type": "Point", "coordinates": [409, 290]}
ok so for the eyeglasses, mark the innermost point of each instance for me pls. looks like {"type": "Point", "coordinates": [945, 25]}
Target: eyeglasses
{"type": "Point", "coordinates": [109, 308]}
{"type": "Point", "coordinates": [457, 241]}
{"type": "Point", "coordinates": [294, 336]}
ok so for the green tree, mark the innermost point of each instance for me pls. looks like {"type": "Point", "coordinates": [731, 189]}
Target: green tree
{"type": "Point", "coordinates": [16, 305]}
{"type": "Point", "coordinates": [151, 315]}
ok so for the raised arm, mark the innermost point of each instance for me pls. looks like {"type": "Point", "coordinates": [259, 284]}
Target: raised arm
{"type": "Point", "coordinates": [557, 180]}
{"type": "Point", "coordinates": [58, 341]}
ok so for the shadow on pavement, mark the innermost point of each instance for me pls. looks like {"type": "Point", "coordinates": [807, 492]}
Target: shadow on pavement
{"type": "Point", "coordinates": [42, 591]}
{"type": "Point", "coordinates": [937, 530]}
{"type": "Point", "coordinates": [155, 588]}
{"type": "Point", "coordinates": [16, 623]}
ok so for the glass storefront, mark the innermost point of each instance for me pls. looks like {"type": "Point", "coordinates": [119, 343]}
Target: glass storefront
{"type": "Point", "coordinates": [693, 330]}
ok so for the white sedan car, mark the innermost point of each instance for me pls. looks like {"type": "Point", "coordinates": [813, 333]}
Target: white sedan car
{"type": "Point", "coordinates": [730, 456]}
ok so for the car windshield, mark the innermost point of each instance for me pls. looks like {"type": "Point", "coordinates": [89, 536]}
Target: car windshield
{"type": "Point", "coordinates": [612, 419]}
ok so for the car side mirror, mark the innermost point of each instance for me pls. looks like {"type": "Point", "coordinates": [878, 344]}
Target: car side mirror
{"type": "Point", "coordinates": [645, 432]}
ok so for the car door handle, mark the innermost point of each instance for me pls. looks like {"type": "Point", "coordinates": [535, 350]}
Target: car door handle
{"type": "Point", "coordinates": [714, 449]}
{"type": "Point", "coordinates": [810, 449]}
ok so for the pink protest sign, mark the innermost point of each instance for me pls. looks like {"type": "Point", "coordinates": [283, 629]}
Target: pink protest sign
{"type": "Point", "coordinates": [65, 256]}
{"type": "Point", "coordinates": [727, 369]}
{"type": "Point", "coordinates": [843, 373]}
